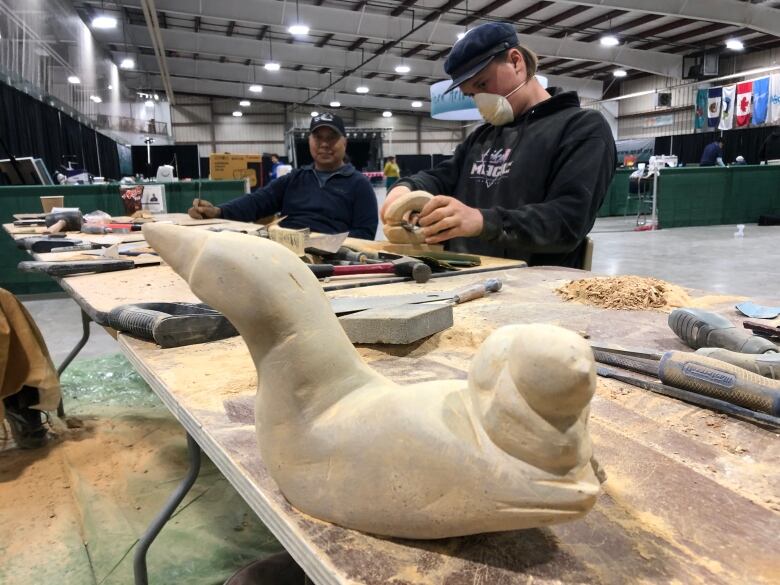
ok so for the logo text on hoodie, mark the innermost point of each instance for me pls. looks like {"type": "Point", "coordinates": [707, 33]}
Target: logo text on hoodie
{"type": "Point", "coordinates": [492, 166]}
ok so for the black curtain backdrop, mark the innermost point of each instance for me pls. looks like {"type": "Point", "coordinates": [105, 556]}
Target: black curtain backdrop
{"type": "Point", "coordinates": [32, 128]}
{"type": "Point", "coordinates": [412, 163]}
{"type": "Point", "coordinates": [743, 141]}
{"type": "Point", "coordinates": [185, 155]}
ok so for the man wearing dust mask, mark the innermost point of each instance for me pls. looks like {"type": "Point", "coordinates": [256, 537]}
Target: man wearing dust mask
{"type": "Point", "coordinates": [529, 182]}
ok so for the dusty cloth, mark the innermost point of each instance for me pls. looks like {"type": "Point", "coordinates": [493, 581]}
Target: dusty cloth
{"type": "Point", "coordinates": [24, 359]}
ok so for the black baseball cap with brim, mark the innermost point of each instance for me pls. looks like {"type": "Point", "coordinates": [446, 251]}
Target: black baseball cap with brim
{"type": "Point", "coordinates": [330, 120]}
{"type": "Point", "coordinates": [473, 52]}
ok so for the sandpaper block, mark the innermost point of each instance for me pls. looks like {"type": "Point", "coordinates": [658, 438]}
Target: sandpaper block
{"type": "Point", "coordinates": [397, 325]}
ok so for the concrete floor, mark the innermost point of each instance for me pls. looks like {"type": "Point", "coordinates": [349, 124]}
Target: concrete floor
{"type": "Point", "coordinates": [706, 258]}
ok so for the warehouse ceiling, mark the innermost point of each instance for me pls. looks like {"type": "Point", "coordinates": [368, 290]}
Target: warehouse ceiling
{"type": "Point", "coordinates": [221, 47]}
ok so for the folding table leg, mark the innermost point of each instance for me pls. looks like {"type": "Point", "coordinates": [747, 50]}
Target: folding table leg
{"type": "Point", "coordinates": [139, 558]}
{"type": "Point", "coordinates": [85, 322]}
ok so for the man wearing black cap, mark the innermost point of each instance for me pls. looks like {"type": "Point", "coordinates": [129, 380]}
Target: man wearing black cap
{"type": "Point", "coordinates": [329, 196]}
{"type": "Point", "coordinates": [529, 182]}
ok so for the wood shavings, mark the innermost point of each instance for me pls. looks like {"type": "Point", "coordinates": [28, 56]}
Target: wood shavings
{"type": "Point", "coordinates": [633, 293]}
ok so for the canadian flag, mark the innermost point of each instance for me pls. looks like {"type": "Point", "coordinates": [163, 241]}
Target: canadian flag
{"type": "Point", "coordinates": [744, 99]}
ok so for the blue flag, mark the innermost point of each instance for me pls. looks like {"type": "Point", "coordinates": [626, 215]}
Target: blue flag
{"type": "Point", "coordinates": [700, 119]}
{"type": "Point", "coordinates": [760, 100]}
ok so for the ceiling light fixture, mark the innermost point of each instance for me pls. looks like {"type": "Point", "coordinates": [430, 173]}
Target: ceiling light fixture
{"type": "Point", "coordinates": [104, 22]}
{"type": "Point", "coordinates": [314, 114]}
{"type": "Point", "coordinates": [244, 103]}
{"type": "Point", "coordinates": [110, 87]}
{"type": "Point", "coordinates": [127, 63]}
{"type": "Point", "coordinates": [298, 29]}
{"type": "Point", "coordinates": [237, 114]}
{"type": "Point", "coordinates": [96, 98]}
{"type": "Point", "coordinates": [335, 104]}
{"type": "Point", "coordinates": [402, 68]}
{"type": "Point", "coordinates": [272, 66]}
{"type": "Point", "coordinates": [416, 104]}
{"type": "Point", "coordinates": [734, 45]}
{"type": "Point", "coordinates": [609, 41]}
{"type": "Point", "coordinates": [387, 114]}
{"type": "Point", "coordinates": [619, 73]}
{"type": "Point", "coordinates": [362, 89]}
{"type": "Point", "coordinates": [149, 103]}
{"type": "Point", "coordinates": [255, 88]}
{"type": "Point", "coordinates": [74, 80]}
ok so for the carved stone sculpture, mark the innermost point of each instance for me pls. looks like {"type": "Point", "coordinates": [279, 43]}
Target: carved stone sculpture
{"type": "Point", "coordinates": [399, 213]}
{"type": "Point", "coordinates": [506, 449]}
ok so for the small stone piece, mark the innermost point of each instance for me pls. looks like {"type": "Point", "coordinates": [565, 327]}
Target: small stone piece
{"type": "Point", "coordinates": [397, 325]}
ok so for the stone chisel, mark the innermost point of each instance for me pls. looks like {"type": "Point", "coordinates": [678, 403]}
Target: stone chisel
{"type": "Point", "coordinates": [70, 268]}
{"type": "Point", "coordinates": [701, 375]}
{"type": "Point", "coordinates": [690, 397]}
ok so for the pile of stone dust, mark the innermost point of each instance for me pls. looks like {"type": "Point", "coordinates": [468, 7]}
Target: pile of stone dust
{"type": "Point", "coordinates": [625, 292]}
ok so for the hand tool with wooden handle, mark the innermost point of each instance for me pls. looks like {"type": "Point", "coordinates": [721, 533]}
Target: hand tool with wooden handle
{"type": "Point", "coordinates": [699, 328]}
{"type": "Point", "coordinates": [702, 375]}
{"type": "Point", "coordinates": [408, 267]}
{"type": "Point", "coordinates": [70, 268]}
{"type": "Point", "coordinates": [690, 397]}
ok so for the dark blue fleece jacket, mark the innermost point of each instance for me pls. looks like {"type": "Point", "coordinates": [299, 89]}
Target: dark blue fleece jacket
{"type": "Point", "coordinates": [345, 202]}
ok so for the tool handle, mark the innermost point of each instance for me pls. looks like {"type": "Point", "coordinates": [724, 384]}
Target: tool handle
{"type": "Point", "coordinates": [327, 270]}
{"type": "Point", "coordinates": [721, 380]}
{"type": "Point", "coordinates": [69, 268]}
{"type": "Point", "coordinates": [57, 226]}
{"type": "Point", "coordinates": [476, 291]}
{"type": "Point", "coordinates": [767, 364]}
{"type": "Point", "coordinates": [699, 328]}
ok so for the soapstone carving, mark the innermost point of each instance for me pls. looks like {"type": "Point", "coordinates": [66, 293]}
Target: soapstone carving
{"type": "Point", "coordinates": [399, 213]}
{"type": "Point", "coordinates": [506, 449]}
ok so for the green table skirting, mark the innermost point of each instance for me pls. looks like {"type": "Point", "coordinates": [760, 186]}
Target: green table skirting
{"type": "Point", "coordinates": [105, 197]}
{"type": "Point", "coordinates": [696, 196]}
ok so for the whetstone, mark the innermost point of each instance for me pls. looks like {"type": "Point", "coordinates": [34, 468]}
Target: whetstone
{"type": "Point", "coordinates": [397, 325]}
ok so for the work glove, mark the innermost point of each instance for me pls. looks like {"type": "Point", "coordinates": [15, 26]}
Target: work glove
{"type": "Point", "coordinates": [202, 209]}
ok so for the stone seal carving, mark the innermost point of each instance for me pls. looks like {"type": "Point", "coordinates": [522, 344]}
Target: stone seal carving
{"type": "Point", "coordinates": [506, 449]}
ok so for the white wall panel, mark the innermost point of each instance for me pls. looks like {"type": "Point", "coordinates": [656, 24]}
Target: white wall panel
{"type": "Point", "coordinates": [192, 134]}
{"type": "Point", "coordinates": [438, 147]}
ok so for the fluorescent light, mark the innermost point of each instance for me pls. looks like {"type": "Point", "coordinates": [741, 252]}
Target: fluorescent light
{"type": "Point", "coordinates": [362, 89]}
{"type": "Point", "coordinates": [96, 98]}
{"type": "Point", "coordinates": [271, 66]}
{"type": "Point", "coordinates": [314, 114]}
{"type": "Point", "coordinates": [734, 45]}
{"type": "Point", "coordinates": [402, 69]}
{"type": "Point", "coordinates": [237, 114]}
{"type": "Point", "coordinates": [244, 103]}
{"type": "Point", "coordinates": [256, 88]}
{"type": "Point", "coordinates": [619, 73]}
{"type": "Point", "coordinates": [298, 30]}
{"type": "Point", "coordinates": [104, 22]}
{"type": "Point", "coordinates": [110, 87]}
{"type": "Point", "coordinates": [387, 114]}
{"type": "Point", "coordinates": [609, 41]}
{"type": "Point", "coordinates": [156, 98]}
{"type": "Point", "coordinates": [127, 63]}
{"type": "Point", "coordinates": [335, 104]}
{"type": "Point", "coordinates": [417, 104]}
{"type": "Point", "coordinates": [74, 80]}
{"type": "Point", "coordinates": [149, 103]}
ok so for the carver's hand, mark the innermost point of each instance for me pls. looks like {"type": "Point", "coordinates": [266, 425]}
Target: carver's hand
{"type": "Point", "coordinates": [445, 217]}
{"type": "Point", "coordinates": [202, 209]}
{"type": "Point", "coordinates": [394, 193]}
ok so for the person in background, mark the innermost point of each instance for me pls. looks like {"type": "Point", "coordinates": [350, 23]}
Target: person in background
{"type": "Point", "coordinates": [274, 166]}
{"type": "Point", "coordinates": [713, 154]}
{"type": "Point", "coordinates": [328, 196]}
{"type": "Point", "coordinates": [770, 149]}
{"type": "Point", "coordinates": [392, 172]}
{"type": "Point", "coordinates": [529, 182]}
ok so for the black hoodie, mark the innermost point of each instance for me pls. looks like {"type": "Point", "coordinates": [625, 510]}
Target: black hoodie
{"type": "Point", "coordinates": [538, 182]}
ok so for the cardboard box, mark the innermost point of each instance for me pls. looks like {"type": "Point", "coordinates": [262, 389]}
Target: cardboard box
{"type": "Point", "coordinates": [234, 167]}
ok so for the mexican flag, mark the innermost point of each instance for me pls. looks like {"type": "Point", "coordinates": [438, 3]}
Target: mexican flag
{"type": "Point", "coordinates": [744, 103]}
{"type": "Point", "coordinates": [727, 110]}
{"type": "Point", "coordinates": [713, 106]}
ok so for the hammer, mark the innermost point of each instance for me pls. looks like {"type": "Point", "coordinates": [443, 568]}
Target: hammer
{"type": "Point", "coordinates": [69, 221]}
{"type": "Point", "coordinates": [401, 266]}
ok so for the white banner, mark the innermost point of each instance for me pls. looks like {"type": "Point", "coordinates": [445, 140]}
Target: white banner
{"type": "Point", "coordinates": [727, 107]}
{"type": "Point", "coordinates": [774, 99]}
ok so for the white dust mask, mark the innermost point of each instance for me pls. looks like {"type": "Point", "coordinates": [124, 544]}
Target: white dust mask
{"type": "Point", "coordinates": [496, 109]}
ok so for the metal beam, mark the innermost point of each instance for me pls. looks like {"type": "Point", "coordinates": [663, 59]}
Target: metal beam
{"type": "Point", "coordinates": [732, 12]}
{"type": "Point", "coordinates": [375, 26]}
